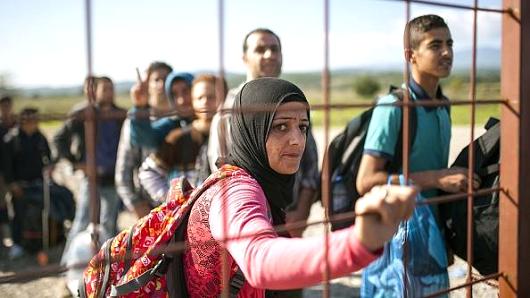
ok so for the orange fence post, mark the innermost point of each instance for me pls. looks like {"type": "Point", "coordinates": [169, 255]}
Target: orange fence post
{"type": "Point", "coordinates": [514, 222]}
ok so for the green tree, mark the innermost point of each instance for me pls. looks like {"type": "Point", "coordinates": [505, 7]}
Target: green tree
{"type": "Point", "coordinates": [366, 86]}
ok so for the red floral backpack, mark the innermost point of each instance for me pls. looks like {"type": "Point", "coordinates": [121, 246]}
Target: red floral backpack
{"type": "Point", "coordinates": [131, 265]}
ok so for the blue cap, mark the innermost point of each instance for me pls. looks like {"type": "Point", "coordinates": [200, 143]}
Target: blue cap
{"type": "Point", "coordinates": [185, 76]}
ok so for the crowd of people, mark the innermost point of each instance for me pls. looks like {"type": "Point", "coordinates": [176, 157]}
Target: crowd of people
{"type": "Point", "coordinates": [274, 151]}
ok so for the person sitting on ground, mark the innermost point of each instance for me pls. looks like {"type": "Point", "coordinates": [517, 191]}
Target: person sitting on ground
{"type": "Point", "coordinates": [7, 121]}
{"type": "Point", "coordinates": [267, 146]}
{"type": "Point", "coordinates": [184, 150]}
{"type": "Point", "coordinates": [25, 154]}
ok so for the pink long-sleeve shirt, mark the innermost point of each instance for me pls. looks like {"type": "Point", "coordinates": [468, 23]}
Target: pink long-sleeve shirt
{"type": "Point", "coordinates": [266, 260]}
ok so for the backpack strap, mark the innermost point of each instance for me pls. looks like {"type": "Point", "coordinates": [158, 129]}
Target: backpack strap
{"type": "Point", "coordinates": [107, 262]}
{"type": "Point", "coordinates": [399, 93]}
{"type": "Point", "coordinates": [397, 162]}
{"type": "Point", "coordinates": [81, 289]}
{"type": "Point", "coordinates": [135, 284]}
{"type": "Point", "coordinates": [128, 249]}
{"type": "Point", "coordinates": [236, 283]}
{"type": "Point", "coordinates": [489, 170]}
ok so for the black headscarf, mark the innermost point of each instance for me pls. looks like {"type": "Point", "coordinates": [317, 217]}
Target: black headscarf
{"type": "Point", "coordinates": [253, 112]}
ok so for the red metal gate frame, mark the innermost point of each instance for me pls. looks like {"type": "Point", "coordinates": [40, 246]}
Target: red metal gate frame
{"type": "Point", "coordinates": [514, 223]}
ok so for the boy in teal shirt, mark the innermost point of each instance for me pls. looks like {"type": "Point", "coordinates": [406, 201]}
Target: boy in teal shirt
{"type": "Point", "coordinates": [430, 55]}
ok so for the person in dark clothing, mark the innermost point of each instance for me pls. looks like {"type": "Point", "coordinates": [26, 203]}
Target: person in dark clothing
{"type": "Point", "coordinates": [7, 121]}
{"type": "Point", "coordinates": [25, 154]}
{"type": "Point", "coordinates": [107, 138]}
{"type": "Point", "coordinates": [7, 118]}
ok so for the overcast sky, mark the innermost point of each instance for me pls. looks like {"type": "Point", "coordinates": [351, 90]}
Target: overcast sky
{"type": "Point", "coordinates": [43, 42]}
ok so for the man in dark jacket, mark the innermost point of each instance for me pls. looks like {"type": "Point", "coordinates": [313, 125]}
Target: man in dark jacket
{"type": "Point", "coordinates": [106, 143]}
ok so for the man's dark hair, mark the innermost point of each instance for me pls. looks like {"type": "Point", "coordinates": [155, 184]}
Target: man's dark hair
{"type": "Point", "coordinates": [28, 113]}
{"type": "Point", "coordinates": [417, 26]}
{"type": "Point", "coordinates": [158, 65]}
{"type": "Point", "coordinates": [6, 99]}
{"type": "Point", "coordinates": [104, 78]}
{"type": "Point", "coordinates": [259, 30]}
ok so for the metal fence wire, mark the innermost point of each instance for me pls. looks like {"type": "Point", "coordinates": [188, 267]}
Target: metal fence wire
{"type": "Point", "coordinates": [514, 231]}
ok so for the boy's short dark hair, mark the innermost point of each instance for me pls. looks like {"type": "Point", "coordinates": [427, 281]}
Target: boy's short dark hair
{"type": "Point", "coordinates": [419, 25]}
{"type": "Point", "coordinates": [259, 30]}
{"type": "Point", "coordinates": [28, 113]}
{"type": "Point", "coordinates": [104, 79]}
{"type": "Point", "coordinates": [6, 99]}
{"type": "Point", "coordinates": [158, 65]}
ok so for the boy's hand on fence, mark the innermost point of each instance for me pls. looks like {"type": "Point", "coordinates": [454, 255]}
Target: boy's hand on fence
{"type": "Point", "coordinates": [455, 180]}
{"type": "Point", "coordinates": [381, 210]}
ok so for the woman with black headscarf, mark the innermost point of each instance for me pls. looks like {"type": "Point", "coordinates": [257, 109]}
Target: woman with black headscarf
{"type": "Point", "coordinates": [268, 129]}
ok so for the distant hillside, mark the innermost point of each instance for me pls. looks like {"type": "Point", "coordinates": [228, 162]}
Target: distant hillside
{"type": "Point", "coordinates": [488, 65]}
{"type": "Point", "coordinates": [487, 58]}
{"type": "Point", "coordinates": [77, 90]}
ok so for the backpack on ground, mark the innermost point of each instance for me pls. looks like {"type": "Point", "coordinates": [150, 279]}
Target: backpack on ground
{"type": "Point", "coordinates": [131, 264]}
{"type": "Point", "coordinates": [485, 209]}
{"type": "Point", "coordinates": [344, 157]}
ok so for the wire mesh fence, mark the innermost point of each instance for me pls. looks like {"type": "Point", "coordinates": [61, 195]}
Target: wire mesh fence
{"type": "Point", "coordinates": [512, 11]}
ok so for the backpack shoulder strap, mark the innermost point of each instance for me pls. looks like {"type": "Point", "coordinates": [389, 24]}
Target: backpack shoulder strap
{"type": "Point", "coordinates": [176, 274]}
{"type": "Point", "coordinates": [236, 283]}
{"type": "Point", "coordinates": [338, 149]}
{"type": "Point", "coordinates": [396, 164]}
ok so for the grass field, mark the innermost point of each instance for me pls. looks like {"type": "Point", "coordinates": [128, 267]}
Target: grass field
{"type": "Point", "coordinates": [341, 91]}
{"type": "Point", "coordinates": [460, 115]}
